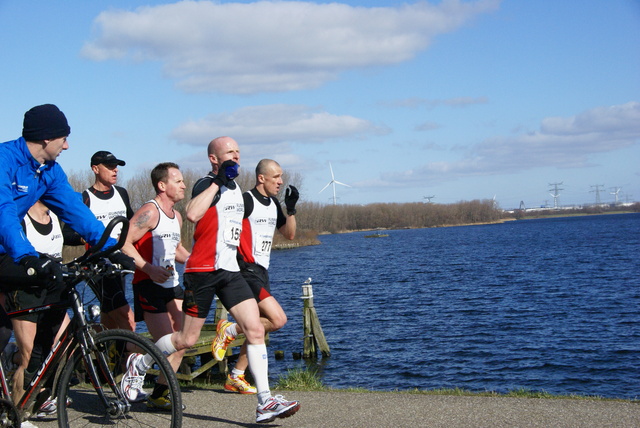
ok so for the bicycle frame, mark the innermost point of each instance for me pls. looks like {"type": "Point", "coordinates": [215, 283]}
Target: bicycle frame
{"type": "Point", "coordinates": [58, 355]}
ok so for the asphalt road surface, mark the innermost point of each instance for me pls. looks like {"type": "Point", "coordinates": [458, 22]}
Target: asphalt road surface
{"type": "Point", "coordinates": [216, 408]}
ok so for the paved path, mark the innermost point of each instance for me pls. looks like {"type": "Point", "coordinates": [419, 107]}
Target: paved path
{"type": "Point", "coordinates": [215, 408]}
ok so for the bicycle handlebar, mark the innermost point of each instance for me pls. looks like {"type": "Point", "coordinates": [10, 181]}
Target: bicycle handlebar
{"type": "Point", "coordinates": [92, 261]}
{"type": "Point", "coordinates": [96, 251]}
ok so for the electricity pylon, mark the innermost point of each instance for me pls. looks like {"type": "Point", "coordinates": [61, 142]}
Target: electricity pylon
{"type": "Point", "coordinates": [555, 193]}
{"type": "Point", "coordinates": [597, 192]}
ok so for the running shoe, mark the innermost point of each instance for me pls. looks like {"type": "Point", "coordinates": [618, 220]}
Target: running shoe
{"type": "Point", "coordinates": [161, 403]}
{"type": "Point", "coordinates": [133, 379]}
{"type": "Point", "coordinates": [222, 340]}
{"type": "Point", "coordinates": [276, 407]}
{"type": "Point", "coordinates": [49, 408]}
{"type": "Point", "coordinates": [239, 384]}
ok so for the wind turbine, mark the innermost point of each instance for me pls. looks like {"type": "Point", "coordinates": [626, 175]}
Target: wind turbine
{"type": "Point", "coordinates": [333, 183]}
{"type": "Point", "coordinates": [615, 191]}
{"type": "Point", "coordinates": [428, 198]}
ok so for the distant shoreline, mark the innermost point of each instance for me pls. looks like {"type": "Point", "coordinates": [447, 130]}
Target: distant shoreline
{"type": "Point", "coordinates": [306, 241]}
{"type": "Point", "coordinates": [500, 221]}
{"type": "Point", "coordinates": [537, 217]}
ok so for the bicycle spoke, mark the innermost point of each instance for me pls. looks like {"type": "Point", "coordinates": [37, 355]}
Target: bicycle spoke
{"type": "Point", "coordinates": [88, 409]}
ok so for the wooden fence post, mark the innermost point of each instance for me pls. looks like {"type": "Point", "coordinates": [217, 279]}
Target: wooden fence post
{"type": "Point", "coordinates": [313, 334]}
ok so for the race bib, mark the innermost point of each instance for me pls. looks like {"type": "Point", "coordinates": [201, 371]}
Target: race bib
{"type": "Point", "coordinates": [263, 245]}
{"type": "Point", "coordinates": [231, 234]}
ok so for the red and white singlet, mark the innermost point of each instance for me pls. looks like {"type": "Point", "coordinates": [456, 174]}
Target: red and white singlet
{"type": "Point", "coordinates": [217, 234]}
{"type": "Point", "coordinates": [158, 247]}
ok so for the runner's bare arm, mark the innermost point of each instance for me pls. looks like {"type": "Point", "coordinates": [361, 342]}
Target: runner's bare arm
{"type": "Point", "coordinates": [145, 219]}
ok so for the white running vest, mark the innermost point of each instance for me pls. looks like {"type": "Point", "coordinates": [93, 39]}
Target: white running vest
{"type": "Point", "coordinates": [158, 247]}
{"type": "Point", "coordinates": [50, 244]}
{"type": "Point", "coordinates": [262, 226]}
{"type": "Point", "coordinates": [106, 209]}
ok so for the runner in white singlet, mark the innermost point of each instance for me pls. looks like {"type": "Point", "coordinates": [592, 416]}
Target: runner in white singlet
{"type": "Point", "coordinates": [154, 243]}
{"type": "Point", "coordinates": [262, 216]}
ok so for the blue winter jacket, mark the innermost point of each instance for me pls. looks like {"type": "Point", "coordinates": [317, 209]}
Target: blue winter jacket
{"type": "Point", "coordinates": [22, 182]}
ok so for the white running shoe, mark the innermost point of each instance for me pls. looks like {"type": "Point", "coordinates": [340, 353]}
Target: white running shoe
{"type": "Point", "coordinates": [133, 379]}
{"type": "Point", "coordinates": [276, 407]}
{"type": "Point", "coordinates": [48, 408]}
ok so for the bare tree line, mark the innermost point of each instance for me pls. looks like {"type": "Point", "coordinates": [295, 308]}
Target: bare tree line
{"type": "Point", "coordinates": [343, 218]}
{"type": "Point", "coordinates": [314, 218]}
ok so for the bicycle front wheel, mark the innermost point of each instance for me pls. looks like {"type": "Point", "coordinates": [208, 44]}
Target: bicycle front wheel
{"type": "Point", "coordinates": [81, 404]}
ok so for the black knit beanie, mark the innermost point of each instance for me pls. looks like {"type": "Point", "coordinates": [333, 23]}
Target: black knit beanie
{"type": "Point", "coordinates": [45, 122]}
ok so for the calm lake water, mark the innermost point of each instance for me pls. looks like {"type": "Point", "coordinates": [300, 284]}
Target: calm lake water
{"type": "Point", "coordinates": [547, 305]}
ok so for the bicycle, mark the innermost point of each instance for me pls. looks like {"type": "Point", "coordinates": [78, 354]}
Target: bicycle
{"type": "Point", "coordinates": [88, 362]}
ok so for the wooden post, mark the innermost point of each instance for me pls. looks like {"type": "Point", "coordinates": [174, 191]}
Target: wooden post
{"type": "Point", "coordinates": [308, 344]}
{"type": "Point", "coordinates": [313, 334]}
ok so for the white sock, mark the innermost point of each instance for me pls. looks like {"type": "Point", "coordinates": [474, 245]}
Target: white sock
{"type": "Point", "coordinates": [263, 396]}
{"type": "Point", "coordinates": [166, 347]}
{"type": "Point", "coordinates": [145, 363]}
{"type": "Point", "coordinates": [231, 330]}
{"type": "Point", "coordinates": [236, 372]}
{"type": "Point", "coordinates": [259, 366]}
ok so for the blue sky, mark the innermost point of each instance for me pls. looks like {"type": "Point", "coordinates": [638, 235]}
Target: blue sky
{"type": "Point", "coordinates": [459, 100]}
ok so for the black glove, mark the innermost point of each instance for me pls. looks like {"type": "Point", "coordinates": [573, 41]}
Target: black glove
{"type": "Point", "coordinates": [44, 267]}
{"type": "Point", "coordinates": [290, 198]}
{"type": "Point", "coordinates": [226, 172]}
{"type": "Point", "coordinates": [120, 258]}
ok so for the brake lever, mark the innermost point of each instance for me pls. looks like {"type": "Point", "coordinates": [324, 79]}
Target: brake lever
{"type": "Point", "coordinates": [116, 268]}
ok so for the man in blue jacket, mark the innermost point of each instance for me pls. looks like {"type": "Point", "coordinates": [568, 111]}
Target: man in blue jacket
{"type": "Point", "coordinates": [30, 173]}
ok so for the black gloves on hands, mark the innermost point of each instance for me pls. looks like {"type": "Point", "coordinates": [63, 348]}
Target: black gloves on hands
{"type": "Point", "coordinates": [120, 258]}
{"type": "Point", "coordinates": [291, 196]}
{"type": "Point", "coordinates": [44, 267]}
{"type": "Point", "coordinates": [226, 172]}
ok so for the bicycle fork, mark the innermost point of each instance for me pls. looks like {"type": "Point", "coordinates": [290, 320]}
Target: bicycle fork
{"type": "Point", "coordinates": [97, 368]}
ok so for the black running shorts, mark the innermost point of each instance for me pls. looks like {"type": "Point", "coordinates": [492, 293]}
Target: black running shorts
{"type": "Point", "coordinates": [201, 287]}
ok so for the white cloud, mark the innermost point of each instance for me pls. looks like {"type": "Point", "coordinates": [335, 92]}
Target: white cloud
{"type": "Point", "coordinates": [275, 125]}
{"type": "Point", "coordinates": [563, 142]}
{"type": "Point", "coordinates": [272, 45]}
{"type": "Point", "coordinates": [416, 102]}
{"type": "Point", "coordinates": [614, 122]}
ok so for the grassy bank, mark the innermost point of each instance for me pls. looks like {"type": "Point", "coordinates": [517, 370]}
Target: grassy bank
{"type": "Point", "coordinates": [308, 380]}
